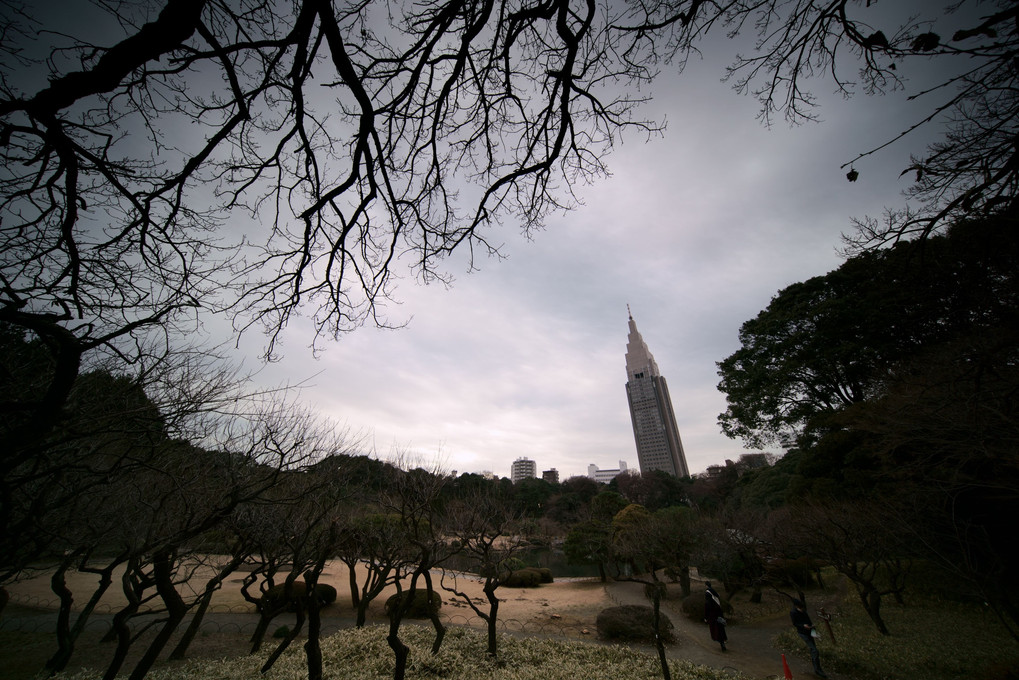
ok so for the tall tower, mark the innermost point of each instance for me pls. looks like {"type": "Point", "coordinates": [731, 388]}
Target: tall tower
{"type": "Point", "coordinates": [654, 423]}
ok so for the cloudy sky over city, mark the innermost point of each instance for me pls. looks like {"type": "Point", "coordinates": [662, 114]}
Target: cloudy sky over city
{"type": "Point", "coordinates": [695, 231]}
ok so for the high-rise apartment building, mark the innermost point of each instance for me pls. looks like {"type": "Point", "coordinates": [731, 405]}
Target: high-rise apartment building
{"type": "Point", "coordinates": [654, 423]}
{"type": "Point", "coordinates": [523, 468]}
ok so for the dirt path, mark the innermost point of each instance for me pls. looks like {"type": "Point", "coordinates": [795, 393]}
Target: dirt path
{"type": "Point", "coordinates": [750, 649]}
{"type": "Point", "coordinates": [563, 609]}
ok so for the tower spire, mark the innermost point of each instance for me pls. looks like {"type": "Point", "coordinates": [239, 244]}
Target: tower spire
{"type": "Point", "coordinates": [655, 431]}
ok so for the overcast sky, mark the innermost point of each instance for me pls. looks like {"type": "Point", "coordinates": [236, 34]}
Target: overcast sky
{"type": "Point", "coordinates": [696, 231]}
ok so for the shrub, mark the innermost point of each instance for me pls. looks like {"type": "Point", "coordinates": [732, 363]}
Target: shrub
{"type": "Point", "coordinates": [693, 606]}
{"type": "Point", "coordinates": [274, 597]}
{"type": "Point", "coordinates": [513, 563]}
{"type": "Point", "coordinates": [424, 604]}
{"type": "Point", "coordinates": [281, 632]}
{"type": "Point", "coordinates": [632, 622]}
{"type": "Point", "coordinates": [649, 590]}
{"type": "Point", "coordinates": [528, 577]}
{"type": "Point", "coordinates": [546, 574]}
{"type": "Point", "coordinates": [799, 573]}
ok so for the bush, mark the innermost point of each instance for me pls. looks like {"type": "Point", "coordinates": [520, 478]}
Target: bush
{"type": "Point", "coordinates": [546, 574]}
{"type": "Point", "coordinates": [649, 590]}
{"type": "Point", "coordinates": [281, 632]}
{"type": "Point", "coordinates": [528, 577]}
{"type": "Point", "coordinates": [693, 606]}
{"type": "Point", "coordinates": [632, 622]}
{"type": "Point", "coordinates": [425, 603]}
{"type": "Point", "coordinates": [799, 573]}
{"type": "Point", "coordinates": [274, 597]}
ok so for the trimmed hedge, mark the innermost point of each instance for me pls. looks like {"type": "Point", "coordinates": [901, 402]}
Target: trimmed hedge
{"type": "Point", "coordinates": [274, 597]}
{"type": "Point", "coordinates": [632, 622]}
{"type": "Point", "coordinates": [528, 577]}
{"type": "Point", "coordinates": [424, 604]}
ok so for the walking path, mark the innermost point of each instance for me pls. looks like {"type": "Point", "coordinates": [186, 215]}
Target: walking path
{"type": "Point", "coordinates": [750, 648]}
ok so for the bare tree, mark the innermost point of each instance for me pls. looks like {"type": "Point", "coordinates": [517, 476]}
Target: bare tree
{"type": "Point", "coordinates": [414, 495]}
{"type": "Point", "coordinates": [376, 542]}
{"type": "Point", "coordinates": [482, 526]}
{"type": "Point", "coordinates": [354, 133]}
{"type": "Point", "coordinates": [864, 541]}
{"type": "Point", "coordinates": [642, 542]}
{"type": "Point", "coordinates": [872, 48]}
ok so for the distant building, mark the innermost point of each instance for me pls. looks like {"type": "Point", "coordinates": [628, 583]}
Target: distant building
{"type": "Point", "coordinates": [551, 476]}
{"type": "Point", "coordinates": [523, 468]}
{"type": "Point", "coordinates": [605, 476]}
{"type": "Point", "coordinates": [654, 422]}
{"type": "Point", "coordinates": [747, 461]}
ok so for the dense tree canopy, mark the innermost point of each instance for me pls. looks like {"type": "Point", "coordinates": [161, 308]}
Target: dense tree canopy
{"type": "Point", "coordinates": [896, 374]}
{"type": "Point", "coordinates": [830, 342]}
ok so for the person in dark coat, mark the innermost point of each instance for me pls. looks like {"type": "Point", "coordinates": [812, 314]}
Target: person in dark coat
{"type": "Point", "coordinates": [714, 616]}
{"type": "Point", "coordinates": [805, 629]}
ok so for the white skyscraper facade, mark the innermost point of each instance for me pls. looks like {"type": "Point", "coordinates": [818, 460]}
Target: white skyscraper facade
{"type": "Point", "coordinates": [654, 423]}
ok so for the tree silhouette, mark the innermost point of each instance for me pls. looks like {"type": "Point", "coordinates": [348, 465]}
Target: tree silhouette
{"type": "Point", "coordinates": [346, 136]}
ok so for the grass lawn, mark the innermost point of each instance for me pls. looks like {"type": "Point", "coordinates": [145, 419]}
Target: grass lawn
{"type": "Point", "coordinates": [930, 640]}
{"type": "Point", "coordinates": [364, 655]}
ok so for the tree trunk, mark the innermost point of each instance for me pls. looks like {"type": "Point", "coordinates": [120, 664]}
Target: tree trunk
{"type": "Point", "coordinates": [871, 599]}
{"type": "Point", "coordinates": [684, 579]}
{"type": "Point", "coordinates": [491, 619]}
{"type": "Point", "coordinates": [355, 592]}
{"type": "Point", "coordinates": [400, 651]}
{"type": "Point", "coordinates": [59, 660]}
{"type": "Point", "coordinates": [121, 632]}
{"type": "Point", "coordinates": [282, 647]}
{"type": "Point", "coordinates": [362, 613]}
{"type": "Point", "coordinates": [656, 602]}
{"type": "Point", "coordinates": [433, 616]}
{"type": "Point", "coordinates": [396, 614]}
{"type": "Point", "coordinates": [196, 621]}
{"type": "Point", "coordinates": [264, 619]}
{"type": "Point", "coordinates": [65, 643]}
{"type": "Point", "coordinates": [176, 609]}
{"type": "Point", "coordinates": [312, 646]}
{"type": "Point", "coordinates": [755, 597]}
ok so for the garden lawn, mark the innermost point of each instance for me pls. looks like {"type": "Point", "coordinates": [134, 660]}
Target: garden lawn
{"type": "Point", "coordinates": [363, 654]}
{"type": "Point", "coordinates": [932, 639]}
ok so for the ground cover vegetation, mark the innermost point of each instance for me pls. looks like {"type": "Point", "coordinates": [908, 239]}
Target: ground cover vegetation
{"type": "Point", "coordinates": [362, 654]}
{"type": "Point", "coordinates": [336, 130]}
{"type": "Point", "coordinates": [935, 638]}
